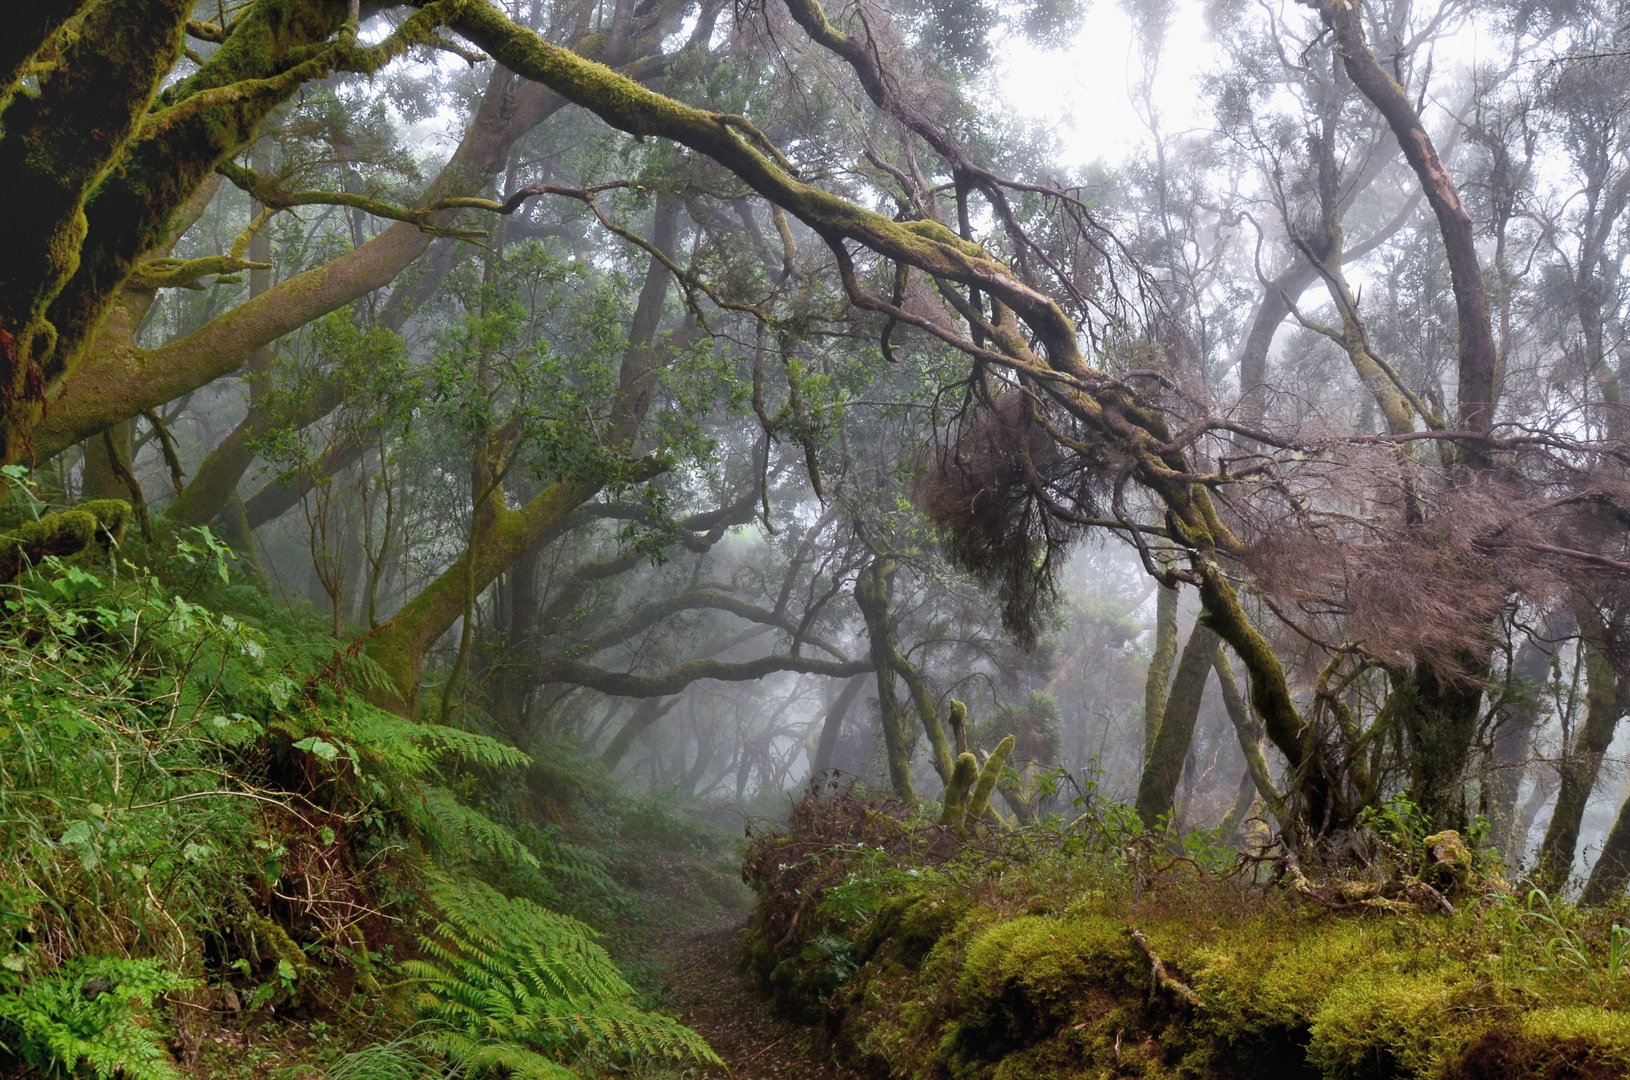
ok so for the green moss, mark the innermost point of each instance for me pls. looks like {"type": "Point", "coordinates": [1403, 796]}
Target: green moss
{"type": "Point", "coordinates": [1586, 1042]}
{"type": "Point", "coordinates": [1026, 978]}
{"type": "Point", "coordinates": [64, 533]}
{"type": "Point", "coordinates": [1259, 988]}
{"type": "Point", "coordinates": [1379, 1025]}
{"type": "Point", "coordinates": [911, 925]}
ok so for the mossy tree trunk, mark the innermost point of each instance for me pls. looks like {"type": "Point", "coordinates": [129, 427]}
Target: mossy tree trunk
{"type": "Point", "coordinates": [1163, 767]}
{"type": "Point", "coordinates": [500, 535]}
{"type": "Point", "coordinates": [1248, 729]}
{"type": "Point", "coordinates": [1440, 710]}
{"type": "Point", "coordinates": [1611, 874]}
{"type": "Point", "coordinates": [1157, 680]}
{"type": "Point", "coordinates": [873, 588]}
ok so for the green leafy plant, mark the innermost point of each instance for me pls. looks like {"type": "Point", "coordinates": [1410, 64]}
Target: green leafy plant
{"type": "Point", "coordinates": [87, 1017]}
{"type": "Point", "coordinates": [513, 989]}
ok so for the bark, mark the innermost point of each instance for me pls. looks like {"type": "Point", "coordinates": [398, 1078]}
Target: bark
{"type": "Point", "coordinates": [885, 644]}
{"type": "Point", "coordinates": [1514, 734]}
{"type": "Point", "coordinates": [872, 588]}
{"type": "Point", "coordinates": [57, 145]}
{"type": "Point", "coordinates": [1247, 795]}
{"type": "Point", "coordinates": [1249, 732]}
{"type": "Point", "coordinates": [1291, 282]}
{"type": "Point", "coordinates": [1440, 713]}
{"type": "Point", "coordinates": [118, 379]}
{"type": "Point", "coordinates": [100, 478]}
{"type": "Point", "coordinates": [1580, 768]}
{"type": "Point", "coordinates": [25, 29]}
{"type": "Point", "coordinates": [1163, 767]}
{"type": "Point", "coordinates": [832, 726]}
{"type": "Point", "coordinates": [216, 479]}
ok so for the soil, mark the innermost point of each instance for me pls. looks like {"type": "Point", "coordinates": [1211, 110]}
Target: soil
{"type": "Point", "coordinates": [707, 990]}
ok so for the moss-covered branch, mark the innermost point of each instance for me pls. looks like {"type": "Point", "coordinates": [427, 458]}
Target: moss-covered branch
{"type": "Point", "coordinates": [64, 533]}
{"type": "Point", "coordinates": [56, 145]}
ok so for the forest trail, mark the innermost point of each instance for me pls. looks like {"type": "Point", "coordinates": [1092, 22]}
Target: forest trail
{"type": "Point", "coordinates": [707, 990]}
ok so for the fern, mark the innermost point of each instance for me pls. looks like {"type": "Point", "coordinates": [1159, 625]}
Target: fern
{"type": "Point", "coordinates": [511, 987]}
{"type": "Point", "coordinates": [86, 1017]}
{"type": "Point", "coordinates": [456, 829]}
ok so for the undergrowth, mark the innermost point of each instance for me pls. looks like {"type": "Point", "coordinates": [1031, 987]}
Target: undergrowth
{"type": "Point", "coordinates": [1094, 949]}
{"type": "Point", "coordinates": [209, 837]}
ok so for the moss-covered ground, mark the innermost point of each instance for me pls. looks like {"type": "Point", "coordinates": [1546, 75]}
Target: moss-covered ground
{"type": "Point", "coordinates": [1032, 957]}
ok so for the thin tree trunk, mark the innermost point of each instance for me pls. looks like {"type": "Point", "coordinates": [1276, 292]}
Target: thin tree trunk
{"type": "Point", "coordinates": [832, 728]}
{"type": "Point", "coordinates": [649, 712]}
{"type": "Point", "coordinates": [872, 597]}
{"type": "Point", "coordinates": [1514, 734]}
{"type": "Point", "coordinates": [1611, 874]}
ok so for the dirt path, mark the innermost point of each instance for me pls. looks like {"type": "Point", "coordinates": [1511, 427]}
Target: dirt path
{"type": "Point", "coordinates": [707, 991]}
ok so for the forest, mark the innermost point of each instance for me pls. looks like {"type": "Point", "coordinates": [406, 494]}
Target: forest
{"type": "Point", "coordinates": [934, 540]}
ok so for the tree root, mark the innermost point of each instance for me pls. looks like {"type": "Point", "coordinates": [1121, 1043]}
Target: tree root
{"type": "Point", "coordinates": [1163, 979]}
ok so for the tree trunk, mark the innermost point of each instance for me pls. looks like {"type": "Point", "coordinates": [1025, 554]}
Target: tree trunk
{"type": "Point", "coordinates": [500, 535]}
{"type": "Point", "coordinates": [832, 727]}
{"type": "Point", "coordinates": [1163, 767]}
{"type": "Point", "coordinates": [1611, 874]}
{"type": "Point", "coordinates": [1158, 679]}
{"type": "Point", "coordinates": [1440, 714]}
{"type": "Point", "coordinates": [1248, 729]}
{"type": "Point", "coordinates": [1514, 733]}
{"type": "Point", "coordinates": [649, 712]}
{"type": "Point", "coordinates": [1580, 768]}
{"type": "Point", "coordinates": [872, 589]}
{"type": "Point", "coordinates": [1478, 357]}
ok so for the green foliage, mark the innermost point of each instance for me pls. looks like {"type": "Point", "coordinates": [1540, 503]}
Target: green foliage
{"type": "Point", "coordinates": [165, 766]}
{"type": "Point", "coordinates": [86, 1017]}
{"type": "Point", "coordinates": [514, 989]}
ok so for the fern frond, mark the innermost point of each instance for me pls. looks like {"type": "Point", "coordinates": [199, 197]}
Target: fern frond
{"type": "Point", "coordinates": [457, 828]}
{"type": "Point", "coordinates": [503, 975]}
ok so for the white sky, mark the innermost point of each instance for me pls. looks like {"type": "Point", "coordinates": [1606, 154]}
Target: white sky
{"type": "Point", "coordinates": [1085, 89]}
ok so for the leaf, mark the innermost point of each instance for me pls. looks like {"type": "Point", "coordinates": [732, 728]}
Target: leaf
{"type": "Point", "coordinates": [280, 690]}
{"type": "Point", "coordinates": [319, 748]}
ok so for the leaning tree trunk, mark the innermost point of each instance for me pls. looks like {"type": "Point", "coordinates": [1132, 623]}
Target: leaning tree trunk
{"type": "Point", "coordinates": [832, 726]}
{"type": "Point", "coordinates": [1611, 874]}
